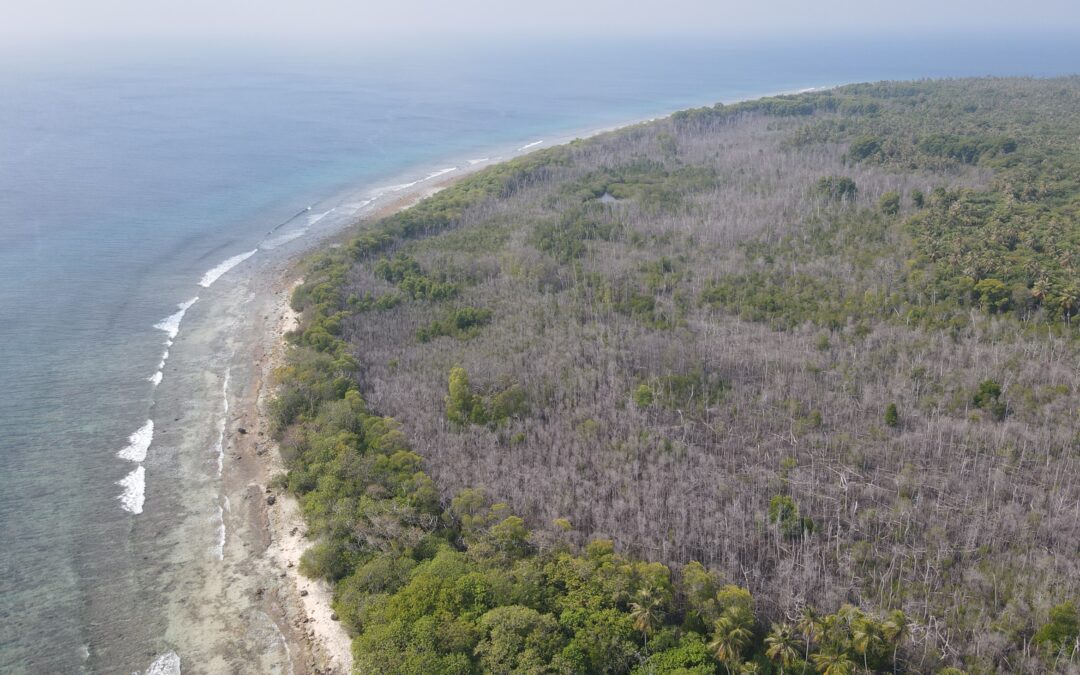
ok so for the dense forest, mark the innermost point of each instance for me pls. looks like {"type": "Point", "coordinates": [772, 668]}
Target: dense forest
{"type": "Point", "coordinates": [791, 385]}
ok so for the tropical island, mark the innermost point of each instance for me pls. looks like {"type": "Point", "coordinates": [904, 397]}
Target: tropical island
{"type": "Point", "coordinates": [783, 386]}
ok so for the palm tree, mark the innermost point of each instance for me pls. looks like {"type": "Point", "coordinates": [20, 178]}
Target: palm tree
{"type": "Point", "coordinates": [810, 626]}
{"type": "Point", "coordinates": [1067, 300]}
{"type": "Point", "coordinates": [833, 661]}
{"type": "Point", "coordinates": [895, 630]}
{"type": "Point", "coordinates": [781, 646]}
{"type": "Point", "coordinates": [866, 639]}
{"type": "Point", "coordinates": [1041, 288]}
{"type": "Point", "coordinates": [647, 613]}
{"type": "Point", "coordinates": [731, 636]}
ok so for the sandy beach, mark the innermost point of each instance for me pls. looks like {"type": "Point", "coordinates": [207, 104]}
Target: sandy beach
{"type": "Point", "coordinates": [271, 522]}
{"type": "Point", "coordinates": [242, 606]}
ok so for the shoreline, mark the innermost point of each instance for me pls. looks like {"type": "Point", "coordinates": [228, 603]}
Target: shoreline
{"type": "Point", "coordinates": [314, 642]}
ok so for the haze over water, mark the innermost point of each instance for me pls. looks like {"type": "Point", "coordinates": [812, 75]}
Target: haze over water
{"type": "Point", "coordinates": [127, 182]}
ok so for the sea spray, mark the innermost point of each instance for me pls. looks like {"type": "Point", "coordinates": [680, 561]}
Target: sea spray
{"type": "Point", "coordinates": [440, 172]}
{"type": "Point", "coordinates": [218, 551]}
{"type": "Point", "coordinates": [219, 446]}
{"type": "Point", "coordinates": [138, 443]}
{"type": "Point", "coordinates": [166, 664]}
{"type": "Point", "coordinates": [171, 323]}
{"type": "Point", "coordinates": [214, 273]}
{"type": "Point", "coordinates": [134, 484]}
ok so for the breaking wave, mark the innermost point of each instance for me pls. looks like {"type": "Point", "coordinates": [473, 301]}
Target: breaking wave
{"type": "Point", "coordinates": [134, 494]}
{"type": "Point", "coordinates": [171, 323]}
{"type": "Point", "coordinates": [138, 443]}
{"type": "Point", "coordinates": [166, 664]}
{"type": "Point", "coordinates": [214, 273]}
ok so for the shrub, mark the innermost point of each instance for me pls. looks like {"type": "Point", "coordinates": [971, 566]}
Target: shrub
{"type": "Point", "coordinates": [1062, 631]}
{"type": "Point", "coordinates": [892, 417]}
{"type": "Point", "coordinates": [988, 397]}
{"type": "Point", "coordinates": [836, 189]}
{"type": "Point", "coordinates": [890, 203]}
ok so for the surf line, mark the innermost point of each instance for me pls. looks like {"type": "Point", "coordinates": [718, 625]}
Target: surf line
{"type": "Point", "coordinates": [133, 497]}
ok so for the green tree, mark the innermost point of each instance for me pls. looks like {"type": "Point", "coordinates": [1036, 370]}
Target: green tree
{"type": "Point", "coordinates": [731, 635]}
{"type": "Point", "coordinates": [993, 295]}
{"type": "Point", "coordinates": [833, 661]}
{"type": "Point", "coordinates": [699, 587]}
{"type": "Point", "coordinates": [895, 628]}
{"type": "Point", "coordinates": [459, 400]}
{"type": "Point", "coordinates": [647, 611]}
{"type": "Point", "coordinates": [867, 640]}
{"type": "Point", "coordinates": [518, 639]}
{"type": "Point", "coordinates": [809, 626]}
{"type": "Point", "coordinates": [643, 396]}
{"type": "Point", "coordinates": [781, 646]}
{"type": "Point", "coordinates": [836, 188]}
{"type": "Point", "coordinates": [892, 417]}
{"type": "Point", "coordinates": [890, 203]}
{"type": "Point", "coordinates": [863, 147]}
{"type": "Point", "coordinates": [784, 513]}
{"type": "Point", "coordinates": [1062, 631]}
{"type": "Point", "coordinates": [988, 397]}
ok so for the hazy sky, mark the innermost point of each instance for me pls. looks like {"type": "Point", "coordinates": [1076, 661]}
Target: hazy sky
{"type": "Point", "coordinates": [304, 21]}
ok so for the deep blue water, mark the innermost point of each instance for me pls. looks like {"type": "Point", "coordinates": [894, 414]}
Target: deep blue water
{"type": "Point", "coordinates": [124, 178]}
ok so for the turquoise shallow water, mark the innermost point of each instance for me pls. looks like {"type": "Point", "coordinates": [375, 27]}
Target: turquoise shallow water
{"type": "Point", "coordinates": [125, 180]}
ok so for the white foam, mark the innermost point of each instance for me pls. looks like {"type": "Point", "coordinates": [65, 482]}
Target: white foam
{"type": "Point", "coordinates": [353, 207]}
{"type": "Point", "coordinates": [224, 266]}
{"type": "Point", "coordinates": [219, 446]}
{"type": "Point", "coordinates": [134, 495]}
{"type": "Point", "coordinates": [529, 145]}
{"type": "Point", "coordinates": [401, 186]}
{"type": "Point", "coordinates": [166, 664]}
{"type": "Point", "coordinates": [171, 323]}
{"type": "Point", "coordinates": [283, 239]}
{"type": "Point", "coordinates": [314, 218]}
{"type": "Point", "coordinates": [155, 379]}
{"type": "Point", "coordinates": [228, 506]}
{"type": "Point", "coordinates": [481, 160]}
{"type": "Point", "coordinates": [219, 547]}
{"type": "Point", "coordinates": [138, 443]}
{"type": "Point", "coordinates": [440, 172]}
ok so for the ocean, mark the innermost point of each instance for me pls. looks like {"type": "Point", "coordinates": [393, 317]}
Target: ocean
{"type": "Point", "coordinates": [138, 187]}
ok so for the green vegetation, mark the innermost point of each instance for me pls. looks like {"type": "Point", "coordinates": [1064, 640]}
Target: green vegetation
{"type": "Point", "coordinates": [463, 406]}
{"type": "Point", "coordinates": [461, 323]}
{"type": "Point", "coordinates": [1062, 632]}
{"type": "Point", "coordinates": [892, 416]}
{"type": "Point", "coordinates": [784, 513]}
{"type": "Point", "coordinates": [785, 386]}
{"type": "Point", "coordinates": [836, 188]}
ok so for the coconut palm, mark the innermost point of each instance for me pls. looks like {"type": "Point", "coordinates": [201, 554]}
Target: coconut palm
{"type": "Point", "coordinates": [809, 625]}
{"type": "Point", "coordinates": [1041, 288]}
{"type": "Point", "coordinates": [782, 646]}
{"type": "Point", "coordinates": [866, 638]}
{"type": "Point", "coordinates": [731, 636]}
{"type": "Point", "coordinates": [833, 661]}
{"type": "Point", "coordinates": [895, 630]}
{"type": "Point", "coordinates": [647, 613]}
